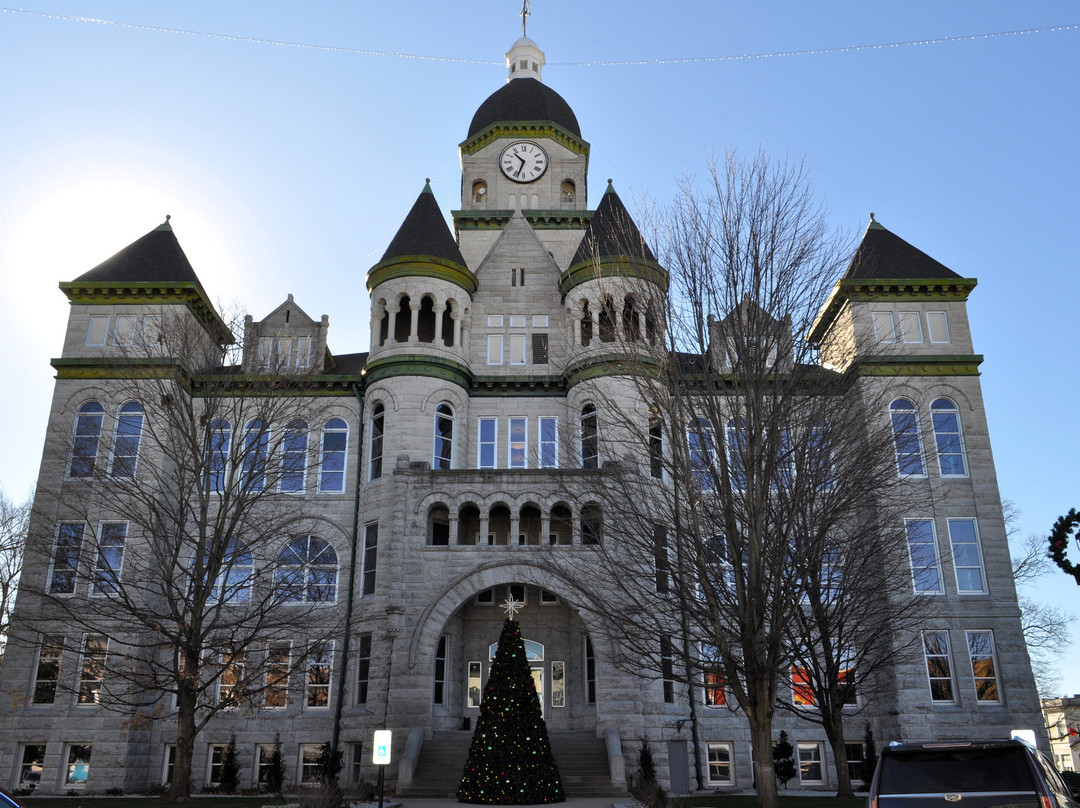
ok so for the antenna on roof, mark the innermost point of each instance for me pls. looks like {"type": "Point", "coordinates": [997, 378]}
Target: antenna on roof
{"type": "Point", "coordinates": [525, 12]}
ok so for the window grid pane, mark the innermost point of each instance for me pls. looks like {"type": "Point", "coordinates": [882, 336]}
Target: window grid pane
{"type": "Point", "coordinates": [983, 667]}
{"type": "Point", "coordinates": [948, 438]}
{"type": "Point", "coordinates": [906, 439]}
{"type": "Point", "coordinates": [938, 665]}
{"type": "Point", "coordinates": [922, 549]}
{"type": "Point", "coordinates": [967, 557]}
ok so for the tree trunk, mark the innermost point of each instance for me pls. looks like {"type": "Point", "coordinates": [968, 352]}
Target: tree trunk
{"type": "Point", "coordinates": [179, 789]}
{"type": "Point", "coordinates": [834, 731]}
{"type": "Point", "coordinates": [768, 795]}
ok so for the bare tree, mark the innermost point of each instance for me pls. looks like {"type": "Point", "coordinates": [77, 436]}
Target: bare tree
{"type": "Point", "coordinates": [13, 521]}
{"type": "Point", "coordinates": [1047, 628]}
{"type": "Point", "coordinates": [166, 548]}
{"type": "Point", "coordinates": [735, 463]}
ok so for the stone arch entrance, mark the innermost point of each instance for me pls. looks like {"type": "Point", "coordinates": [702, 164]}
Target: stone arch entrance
{"type": "Point", "coordinates": [462, 624]}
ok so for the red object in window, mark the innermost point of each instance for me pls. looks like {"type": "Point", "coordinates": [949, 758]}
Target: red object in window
{"type": "Point", "coordinates": [1072, 730]}
{"type": "Point", "coordinates": [801, 691]}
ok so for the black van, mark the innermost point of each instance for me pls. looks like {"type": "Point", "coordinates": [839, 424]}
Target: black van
{"type": "Point", "coordinates": [967, 774]}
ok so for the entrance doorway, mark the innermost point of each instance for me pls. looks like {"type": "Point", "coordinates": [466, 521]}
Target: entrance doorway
{"type": "Point", "coordinates": [538, 683]}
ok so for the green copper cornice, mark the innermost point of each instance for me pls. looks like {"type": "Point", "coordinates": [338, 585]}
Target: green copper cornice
{"type": "Point", "coordinates": [603, 365]}
{"type": "Point", "coordinates": [432, 367]}
{"type": "Point", "coordinates": [551, 385]}
{"type": "Point", "coordinates": [540, 219]}
{"type": "Point", "coordinates": [907, 290]}
{"type": "Point", "coordinates": [616, 267]}
{"type": "Point", "coordinates": [944, 365]}
{"type": "Point", "coordinates": [187, 293]}
{"type": "Point", "coordinates": [422, 266]}
{"type": "Point", "coordinates": [525, 129]}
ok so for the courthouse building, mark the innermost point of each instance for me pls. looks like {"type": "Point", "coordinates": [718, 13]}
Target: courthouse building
{"type": "Point", "coordinates": [463, 447]}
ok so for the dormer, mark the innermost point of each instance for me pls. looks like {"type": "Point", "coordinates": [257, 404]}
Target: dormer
{"type": "Point", "coordinates": [750, 339]}
{"type": "Point", "coordinates": [286, 341]}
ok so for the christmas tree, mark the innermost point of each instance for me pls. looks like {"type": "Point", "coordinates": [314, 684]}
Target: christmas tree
{"type": "Point", "coordinates": [510, 760]}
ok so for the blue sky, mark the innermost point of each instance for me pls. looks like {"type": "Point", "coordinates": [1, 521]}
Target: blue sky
{"type": "Point", "coordinates": [289, 168]}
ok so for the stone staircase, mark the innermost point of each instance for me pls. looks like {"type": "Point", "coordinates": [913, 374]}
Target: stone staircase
{"type": "Point", "coordinates": [582, 759]}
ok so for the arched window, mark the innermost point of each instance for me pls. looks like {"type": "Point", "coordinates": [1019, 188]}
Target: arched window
{"type": "Point", "coordinates": [586, 324]}
{"type": "Point", "coordinates": [656, 447]}
{"type": "Point", "coordinates": [218, 444]}
{"type": "Point", "coordinates": [384, 323]}
{"type": "Point", "coordinates": [294, 444]}
{"type": "Point", "coordinates": [629, 320]}
{"type": "Point", "coordinates": [702, 447]}
{"type": "Point", "coordinates": [652, 331]}
{"type": "Point", "coordinates": [335, 440]}
{"type": "Point", "coordinates": [425, 323]}
{"type": "Point", "coordinates": [568, 192]}
{"type": "Point", "coordinates": [439, 524]}
{"type": "Point", "coordinates": [403, 320]}
{"type": "Point", "coordinates": [479, 191]}
{"type": "Point", "coordinates": [126, 443]}
{"type": "Point", "coordinates": [737, 450]}
{"type": "Point", "coordinates": [607, 320]}
{"type": "Point", "coordinates": [592, 524]}
{"type": "Point", "coordinates": [377, 423]}
{"type": "Point", "coordinates": [949, 438]}
{"type": "Point", "coordinates": [236, 572]}
{"type": "Point", "coordinates": [85, 445]}
{"type": "Point", "coordinates": [906, 438]}
{"type": "Point", "coordinates": [256, 440]}
{"type": "Point", "coordinates": [306, 571]}
{"type": "Point", "coordinates": [590, 444]}
{"type": "Point", "coordinates": [448, 325]}
{"type": "Point", "coordinates": [443, 456]}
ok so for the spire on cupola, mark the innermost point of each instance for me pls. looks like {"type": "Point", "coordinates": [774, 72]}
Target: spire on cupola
{"type": "Point", "coordinates": [612, 233]}
{"type": "Point", "coordinates": [883, 254]}
{"type": "Point", "coordinates": [424, 232]}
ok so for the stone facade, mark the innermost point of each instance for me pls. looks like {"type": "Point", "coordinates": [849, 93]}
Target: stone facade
{"type": "Point", "coordinates": [488, 332]}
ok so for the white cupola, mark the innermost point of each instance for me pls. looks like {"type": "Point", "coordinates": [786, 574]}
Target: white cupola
{"type": "Point", "coordinates": [524, 60]}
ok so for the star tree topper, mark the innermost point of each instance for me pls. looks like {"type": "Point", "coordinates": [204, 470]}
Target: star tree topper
{"type": "Point", "coordinates": [512, 607]}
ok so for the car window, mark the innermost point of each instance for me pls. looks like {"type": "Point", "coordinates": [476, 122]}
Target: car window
{"type": "Point", "coordinates": [934, 771]}
{"type": "Point", "coordinates": [1053, 780]}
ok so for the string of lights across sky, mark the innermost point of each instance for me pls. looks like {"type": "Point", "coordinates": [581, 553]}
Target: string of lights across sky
{"type": "Point", "coordinates": [598, 63]}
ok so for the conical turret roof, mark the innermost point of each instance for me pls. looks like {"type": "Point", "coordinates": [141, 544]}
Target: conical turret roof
{"type": "Point", "coordinates": [424, 233]}
{"type": "Point", "coordinates": [883, 254]}
{"type": "Point", "coordinates": [155, 258]}
{"type": "Point", "coordinates": [612, 233]}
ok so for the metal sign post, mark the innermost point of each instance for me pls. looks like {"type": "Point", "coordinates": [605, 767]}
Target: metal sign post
{"type": "Point", "coordinates": [380, 756]}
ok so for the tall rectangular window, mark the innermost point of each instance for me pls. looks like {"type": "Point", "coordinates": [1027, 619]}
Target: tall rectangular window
{"type": "Point", "coordinates": [31, 765]}
{"type": "Point", "coordinates": [967, 557]}
{"type": "Point", "coordinates": [378, 416]}
{"type": "Point", "coordinates": [230, 682]}
{"type": "Point", "coordinates": [549, 442]}
{"type": "Point", "coordinates": [371, 555]}
{"type": "Point", "coordinates": [983, 665]}
{"type": "Point", "coordinates": [802, 691]}
{"type": "Point", "coordinates": [938, 325]}
{"type": "Point", "coordinates": [335, 439]}
{"type": "Point", "coordinates": [48, 669]}
{"type": "Point", "coordinates": [65, 560]}
{"type": "Point", "coordinates": [276, 690]}
{"type": "Point", "coordinates": [922, 550]}
{"type": "Point", "coordinates": [517, 444]}
{"type": "Point", "coordinates": [320, 662]}
{"type": "Point", "coordinates": [487, 437]}
{"type": "Point", "coordinates": [720, 764]}
{"type": "Point", "coordinates": [517, 349]}
{"type": "Point", "coordinates": [98, 330]}
{"type": "Point", "coordinates": [494, 349]}
{"type": "Point", "coordinates": [92, 670]}
{"type": "Point", "coordinates": [363, 668]}
{"type": "Point", "coordinates": [590, 673]}
{"type": "Point", "coordinates": [110, 558]}
{"type": "Point", "coordinates": [357, 762]}
{"type": "Point", "coordinates": [910, 327]}
{"type": "Point", "coordinates": [78, 764]}
{"type": "Point", "coordinates": [810, 770]}
{"type": "Point", "coordinates": [712, 676]}
{"type": "Point", "coordinates": [474, 684]}
{"type": "Point", "coordinates": [126, 441]}
{"type": "Point", "coordinates": [884, 326]}
{"type": "Point", "coordinates": [439, 696]}
{"type": "Point", "coordinates": [667, 670]}
{"type": "Point", "coordinates": [661, 568]}
{"type": "Point", "coordinates": [294, 457]}
{"type": "Point", "coordinates": [264, 763]}
{"type": "Point", "coordinates": [539, 349]}
{"type": "Point", "coordinates": [938, 666]}
{"type": "Point", "coordinates": [309, 763]}
{"type": "Point", "coordinates": [126, 329]}
{"type": "Point", "coordinates": [558, 684]}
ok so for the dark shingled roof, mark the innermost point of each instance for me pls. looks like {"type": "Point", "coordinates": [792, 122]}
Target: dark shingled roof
{"type": "Point", "coordinates": [154, 258]}
{"type": "Point", "coordinates": [882, 254]}
{"type": "Point", "coordinates": [348, 364]}
{"type": "Point", "coordinates": [524, 100]}
{"type": "Point", "coordinates": [612, 233]}
{"type": "Point", "coordinates": [424, 232]}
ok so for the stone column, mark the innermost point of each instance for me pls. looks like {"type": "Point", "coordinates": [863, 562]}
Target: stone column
{"type": "Point", "coordinates": [545, 528]}
{"type": "Point", "coordinates": [414, 323]}
{"type": "Point", "coordinates": [391, 328]}
{"type": "Point", "coordinates": [483, 540]}
{"type": "Point", "coordinates": [438, 325]}
{"type": "Point", "coordinates": [455, 315]}
{"type": "Point", "coordinates": [515, 528]}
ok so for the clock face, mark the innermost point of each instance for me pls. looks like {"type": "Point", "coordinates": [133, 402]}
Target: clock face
{"type": "Point", "coordinates": [523, 161]}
